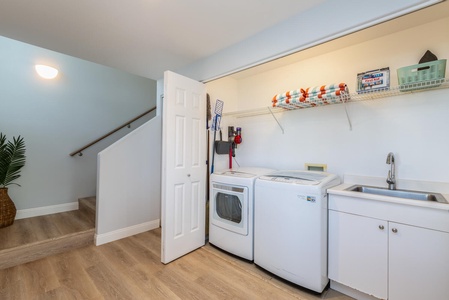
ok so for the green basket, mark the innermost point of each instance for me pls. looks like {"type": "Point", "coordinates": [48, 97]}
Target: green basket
{"type": "Point", "coordinates": [420, 76]}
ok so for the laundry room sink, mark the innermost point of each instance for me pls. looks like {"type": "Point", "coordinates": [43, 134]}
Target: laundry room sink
{"type": "Point", "coordinates": [407, 194]}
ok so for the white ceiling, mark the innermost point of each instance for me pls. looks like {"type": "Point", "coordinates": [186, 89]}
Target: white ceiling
{"type": "Point", "coordinates": [143, 37]}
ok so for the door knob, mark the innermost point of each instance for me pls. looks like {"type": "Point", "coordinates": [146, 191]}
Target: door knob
{"type": "Point", "coordinates": [381, 227]}
{"type": "Point", "coordinates": [394, 230]}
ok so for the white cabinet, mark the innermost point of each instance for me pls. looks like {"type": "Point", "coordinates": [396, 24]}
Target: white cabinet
{"type": "Point", "coordinates": [384, 258]}
{"type": "Point", "coordinates": [358, 255]}
{"type": "Point", "coordinates": [418, 263]}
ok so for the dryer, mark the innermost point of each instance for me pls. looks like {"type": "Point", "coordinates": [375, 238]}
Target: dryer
{"type": "Point", "coordinates": [231, 210]}
{"type": "Point", "coordinates": [290, 235]}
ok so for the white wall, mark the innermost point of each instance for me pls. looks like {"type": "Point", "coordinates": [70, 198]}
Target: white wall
{"type": "Point", "coordinates": [129, 184]}
{"type": "Point", "coordinates": [414, 126]}
{"type": "Point", "coordinates": [57, 117]}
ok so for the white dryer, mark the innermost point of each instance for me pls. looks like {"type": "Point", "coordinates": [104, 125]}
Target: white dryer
{"type": "Point", "coordinates": [290, 235]}
{"type": "Point", "coordinates": [231, 210]}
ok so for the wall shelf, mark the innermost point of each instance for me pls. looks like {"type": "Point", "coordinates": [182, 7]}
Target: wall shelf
{"type": "Point", "coordinates": [351, 98]}
{"type": "Point", "coordinates": [422, 86]}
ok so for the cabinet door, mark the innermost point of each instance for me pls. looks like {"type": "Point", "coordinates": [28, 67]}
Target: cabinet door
{"type": "Point", "coordinates": [358, 252]}
{"type": "Point", "coordinates": [419, 263]}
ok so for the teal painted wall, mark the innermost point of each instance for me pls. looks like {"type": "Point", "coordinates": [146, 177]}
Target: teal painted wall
{"type": "Point", "coordinates": [58, 116]}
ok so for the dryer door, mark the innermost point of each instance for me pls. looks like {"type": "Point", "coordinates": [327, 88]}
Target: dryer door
{"type": "Point", "coordinates": [229, 207]}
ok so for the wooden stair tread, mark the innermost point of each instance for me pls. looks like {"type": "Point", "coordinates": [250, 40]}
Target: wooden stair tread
{"type": "Point", "coordinates": [40, 249]}
{"type": "Point", "coordinates": [89, 202]}
{"type": "Point", "coordinates": [37, 237]}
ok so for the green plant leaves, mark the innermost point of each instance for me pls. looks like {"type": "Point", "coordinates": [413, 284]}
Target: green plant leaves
{"type": "Point", "coordinates": [12, 159]}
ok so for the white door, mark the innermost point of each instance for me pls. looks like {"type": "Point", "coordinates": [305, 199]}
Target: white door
{"type": "Point", "coordinates": [183, 166]}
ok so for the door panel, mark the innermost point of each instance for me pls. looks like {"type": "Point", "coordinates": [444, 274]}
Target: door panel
{"type": "Point", "coordinates": [179, 209]}
{"type": "Point", "coordinates": [196, 202]}
{"type": "Point", "coordinates": [183, 166]}
{"type": "Point", "coordinates": [179, 142]}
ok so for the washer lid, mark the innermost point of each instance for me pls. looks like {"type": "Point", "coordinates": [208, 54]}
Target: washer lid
{"type": "Point", "coordinates": [244, 172]}
{"type": "Point", "coordinates": [297, 177]}
{"type": "Point", "coordinates": [238, 174]}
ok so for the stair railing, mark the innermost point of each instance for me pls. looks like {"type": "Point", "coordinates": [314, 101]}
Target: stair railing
{"type": "Point", "coordinates": [127, 124]}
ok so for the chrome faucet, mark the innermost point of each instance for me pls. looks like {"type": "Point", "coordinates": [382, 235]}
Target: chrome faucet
{"type": "Point", "coordinates": [391, 180]}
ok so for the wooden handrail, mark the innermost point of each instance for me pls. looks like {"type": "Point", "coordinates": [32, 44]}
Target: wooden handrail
{"type": "Point", "coordinates": [80, 150]}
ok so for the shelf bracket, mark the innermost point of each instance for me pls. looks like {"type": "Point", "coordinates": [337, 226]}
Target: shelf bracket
{"type": "Point", "coordinates": [347, 115]}
{"type": "Point", "coordinates": [280, 126]}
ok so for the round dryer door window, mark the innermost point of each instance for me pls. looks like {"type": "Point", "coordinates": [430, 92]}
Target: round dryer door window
{"type": "Point", "coordinates": [230, 208]}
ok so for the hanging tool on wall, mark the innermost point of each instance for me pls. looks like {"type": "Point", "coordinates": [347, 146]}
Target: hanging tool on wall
{"type": "Point", "coordinates": [216, 126]}
{"type": "Point", "coordinates": [228, 147]}
{"type": "Point", "coordinates": [235, 138]}
{"type": "Point", "coordinates": [222, 147]}
{"type": "Point", "coordinates": [231, 136]}
{"type": "Point", "coordinates": [208, 118]}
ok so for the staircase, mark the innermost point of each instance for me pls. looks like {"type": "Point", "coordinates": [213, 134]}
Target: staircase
{"type": "Point", "coordinates": [38, 237]}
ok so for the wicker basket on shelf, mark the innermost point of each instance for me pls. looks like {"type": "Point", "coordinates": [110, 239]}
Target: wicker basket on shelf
{"type": "Point", "coordinates": [7, 209]}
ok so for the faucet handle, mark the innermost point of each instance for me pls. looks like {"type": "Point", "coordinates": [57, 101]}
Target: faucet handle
{"type": "Point", "coordinates": [389, 179]}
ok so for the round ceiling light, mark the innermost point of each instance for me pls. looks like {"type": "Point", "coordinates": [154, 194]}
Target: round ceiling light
{"type": "Point", "coordinates": [46, 72]}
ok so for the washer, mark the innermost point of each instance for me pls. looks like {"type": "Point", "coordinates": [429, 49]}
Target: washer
{"type": "Point", "coordinates": [290, 235]}
{"type": "Point", "coordinates": [231, 213]}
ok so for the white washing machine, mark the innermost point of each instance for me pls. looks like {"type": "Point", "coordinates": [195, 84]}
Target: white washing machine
{"type": "Point", "coordinates": [290, 235]}
{"type": "Point", "coordinates": [231, 210]}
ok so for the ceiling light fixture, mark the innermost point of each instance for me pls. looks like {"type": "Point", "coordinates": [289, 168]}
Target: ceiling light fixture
{"type": "Point", "coordinates": [46, 72]}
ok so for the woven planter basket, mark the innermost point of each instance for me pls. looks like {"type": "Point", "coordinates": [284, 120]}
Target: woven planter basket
{"type": "Point", "coordinates": [7, 209]}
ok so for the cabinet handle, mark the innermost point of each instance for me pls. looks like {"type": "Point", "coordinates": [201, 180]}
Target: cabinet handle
{"type": "Point", "coordinates": [394, 230]}
{"type": "Point", "coordinates": [381, 227]}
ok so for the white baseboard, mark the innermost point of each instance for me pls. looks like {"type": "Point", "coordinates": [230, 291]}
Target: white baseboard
{"type": "Point", "coordinates": [104, 238]}
{"type": "Point", "coordinates": [348, 291]}
{"type": "Point", "coordinates": [46, 210]}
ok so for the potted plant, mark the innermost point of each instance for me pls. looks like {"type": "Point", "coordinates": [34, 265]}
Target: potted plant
{"type": "Point", "coordinates": [12, 159]}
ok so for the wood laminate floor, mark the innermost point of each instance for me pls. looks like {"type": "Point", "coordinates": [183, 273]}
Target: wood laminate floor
{"type": "Point", "coordinates": [131, 269]}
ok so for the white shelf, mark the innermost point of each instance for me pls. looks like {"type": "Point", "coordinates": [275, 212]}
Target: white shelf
{"type": "Point", "coordinates": [350, 98]}
{"type": "Point", "coordinates": [422, 86]}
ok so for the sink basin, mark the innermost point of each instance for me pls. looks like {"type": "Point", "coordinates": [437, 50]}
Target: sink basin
{"type": "Point", "coordinates": [414, 195]}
